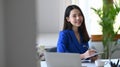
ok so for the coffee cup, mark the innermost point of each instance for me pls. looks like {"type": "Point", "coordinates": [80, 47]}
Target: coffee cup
{"type": "Point", "coordinates": [99, 63]}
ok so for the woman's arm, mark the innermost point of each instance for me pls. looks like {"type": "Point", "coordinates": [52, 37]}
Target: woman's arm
{"type": "Point", "coordinates": [62, 42]}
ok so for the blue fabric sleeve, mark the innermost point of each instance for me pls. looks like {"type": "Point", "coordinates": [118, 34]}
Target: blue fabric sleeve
{"type": "Point", "coordinates": [62, 42]}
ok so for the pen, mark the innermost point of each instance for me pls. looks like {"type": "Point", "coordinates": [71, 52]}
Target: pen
{"type": "Point", "coordinates": [117, 63]}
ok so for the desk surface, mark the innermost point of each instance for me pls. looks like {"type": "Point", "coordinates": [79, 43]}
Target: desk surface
{"type": "Point", "coordinates": [43, 64]}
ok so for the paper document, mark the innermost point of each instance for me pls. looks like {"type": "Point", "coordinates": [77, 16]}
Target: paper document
{"type": "Point", "coordinates": [98, 53]}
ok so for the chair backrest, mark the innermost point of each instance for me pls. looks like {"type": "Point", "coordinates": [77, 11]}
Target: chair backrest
{"type": "Point", "coordinates": [53, 49]}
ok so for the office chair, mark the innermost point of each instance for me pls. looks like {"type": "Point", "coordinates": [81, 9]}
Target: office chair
{"type": "Point", "coordinates": [53, 49]}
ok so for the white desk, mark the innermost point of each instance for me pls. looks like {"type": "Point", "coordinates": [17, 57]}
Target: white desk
{"type": "Point", "coordinates": [43, 63]}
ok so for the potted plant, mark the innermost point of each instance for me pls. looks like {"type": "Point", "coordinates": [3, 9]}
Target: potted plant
{"type": "Point", "coordinates": [107, 15]}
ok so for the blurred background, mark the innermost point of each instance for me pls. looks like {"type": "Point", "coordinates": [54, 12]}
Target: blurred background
{"type": "Point", "coordinates": [25, 24]}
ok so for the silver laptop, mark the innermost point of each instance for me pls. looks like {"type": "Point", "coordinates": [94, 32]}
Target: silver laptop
{"type": "Point", "coordinates": [54, 59]}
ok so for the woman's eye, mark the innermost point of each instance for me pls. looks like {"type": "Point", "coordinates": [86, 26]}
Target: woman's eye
{"type": "Point", "coordinates": [74, 15]}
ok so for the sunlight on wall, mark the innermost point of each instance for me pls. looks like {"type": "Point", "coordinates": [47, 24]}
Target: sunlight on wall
{"type": "Point", "coordinates": [95, 27]}
{"type": "Point", "coordinates": [68, 2]}
{"type": "Point", "coordinates": [117, 24]}
{"type": "Point", "coordinates": [75, 2]}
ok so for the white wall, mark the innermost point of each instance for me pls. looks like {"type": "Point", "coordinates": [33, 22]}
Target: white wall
{"type": "Point", "coordinates": [49, 15]}
{"type": "Point", "coordinates": [47, 39]}
{"type": "Point", "coordinates": [2, 45]}
{"type": "Point", "coordinates": [62, 8]}
{"type": "Point", "coordinates": [20, 31]}
{"type": "Point", "coordinates": [47, 12]}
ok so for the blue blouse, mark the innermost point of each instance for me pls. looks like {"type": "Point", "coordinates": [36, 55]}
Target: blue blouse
{"type": "Point", "coordinates": [68, 42]}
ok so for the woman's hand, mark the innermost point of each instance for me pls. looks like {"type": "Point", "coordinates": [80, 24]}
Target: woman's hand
{"type": "Point", "coordinates": [89, 53]}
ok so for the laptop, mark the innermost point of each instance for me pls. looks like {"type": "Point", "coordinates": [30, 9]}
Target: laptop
{"type": "Point", "coordinates": [54, 59]}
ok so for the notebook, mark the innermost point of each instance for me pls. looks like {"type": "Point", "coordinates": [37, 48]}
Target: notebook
{"type": "Point", "coordinates": [54, 59]}
{"type": "Point", "coordinates": [95, 54]}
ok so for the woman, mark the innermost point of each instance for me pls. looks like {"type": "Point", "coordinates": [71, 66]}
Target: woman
{"type": "Point", "coordinates": [74, 37]}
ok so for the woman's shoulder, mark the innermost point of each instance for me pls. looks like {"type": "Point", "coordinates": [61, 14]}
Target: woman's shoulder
{"type": "Point", "coordinates": [65, 31]}
{"type": "Point", "coordinates": [65, 34]}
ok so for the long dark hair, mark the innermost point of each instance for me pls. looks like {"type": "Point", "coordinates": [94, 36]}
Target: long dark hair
{"type": "Point", "coordinates": [68, 25]}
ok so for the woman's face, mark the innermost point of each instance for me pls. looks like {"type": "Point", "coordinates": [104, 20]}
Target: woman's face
{"type": "Point", "coordinates": [75, 18]}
